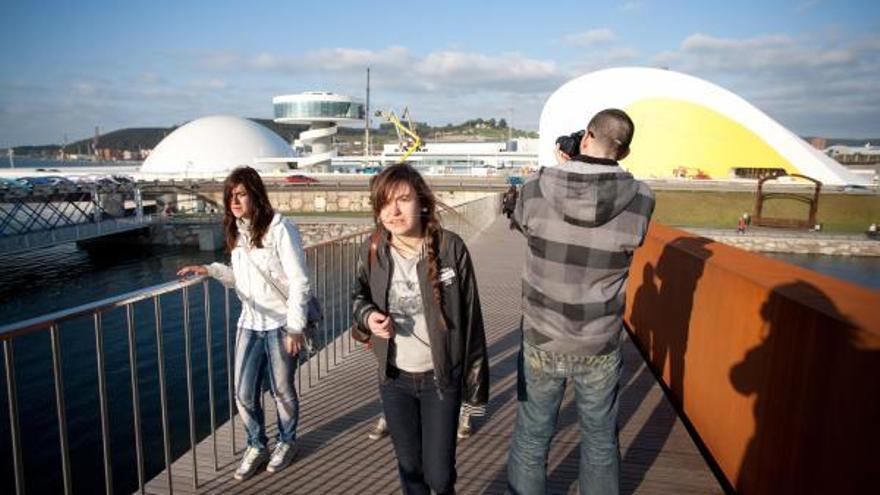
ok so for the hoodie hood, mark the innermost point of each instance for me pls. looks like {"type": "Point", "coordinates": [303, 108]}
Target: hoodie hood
{"type": "Point", "coordinates": [588, 191]}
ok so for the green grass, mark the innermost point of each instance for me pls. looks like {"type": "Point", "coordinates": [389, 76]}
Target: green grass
{"type": "Point", "coordinates": [837, 212]}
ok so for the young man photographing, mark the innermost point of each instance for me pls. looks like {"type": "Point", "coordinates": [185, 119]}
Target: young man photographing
{"type": "Point", "coordinates": [582, 220]}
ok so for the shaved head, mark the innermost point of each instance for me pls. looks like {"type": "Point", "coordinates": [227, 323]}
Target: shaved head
{"type": "Point", "coordinates": [613, 131]}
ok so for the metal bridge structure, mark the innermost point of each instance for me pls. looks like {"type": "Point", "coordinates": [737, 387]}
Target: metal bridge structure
{"type": "Point", "coordinates": [46, 216]}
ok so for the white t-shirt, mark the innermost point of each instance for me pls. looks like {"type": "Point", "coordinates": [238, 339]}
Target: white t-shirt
{"type": "Point", "coordinates": [410, 349]}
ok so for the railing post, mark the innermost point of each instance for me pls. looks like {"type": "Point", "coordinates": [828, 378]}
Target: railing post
{"type": "Point", "coordinates": [313, 281]}
{"type": "Point", "coordinates": [334, 295]}
{"type": "Point", "coordinates": [189, 386]}
{"type": "Point", "coordinates": [318, 272]}
{"type": "Point", "coordinates": [325, 267]}
{"type": "Point", "coordinates": [12, 399]}
{"type": "Point", "coordinates": [210, 357]}
{"type": "Point", "coordinates": [229, 368]}
{"type": "Point", "coordinates": [163, 399]}
{"type": "Point", "coordinates": [135, 396]}
{"type": "Point", "coordinates": [102, 399]}
{"type": "Point", "coordinates": [60, 409]}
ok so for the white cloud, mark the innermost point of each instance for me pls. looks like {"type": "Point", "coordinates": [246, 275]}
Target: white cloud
{"type": "Point", "coordinates": [770, 52]}
{"type": "Point", "coordinates": [591, 37]}
{"type": "Point", "coordinates": [806, 82]}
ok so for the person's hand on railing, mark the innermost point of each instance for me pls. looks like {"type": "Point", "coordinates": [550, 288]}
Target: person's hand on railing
{"type": "Point", "coordinates": [380, 325]}
{"type": "Point", "coordinates": [192, 269]}
{"type": "Point", "coordinates": [293, 343]}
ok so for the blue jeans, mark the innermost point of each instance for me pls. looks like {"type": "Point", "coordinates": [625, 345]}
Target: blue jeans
{"type": "Point", "coordinates": [422, 421]}
{"type": "Point", "coordinates": [596, 381]}
{"type": "Point", "coordinates": [256, 353]}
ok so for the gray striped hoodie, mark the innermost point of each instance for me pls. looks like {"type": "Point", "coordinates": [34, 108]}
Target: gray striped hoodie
{"type": "Point", "coordinates": [582, 221]}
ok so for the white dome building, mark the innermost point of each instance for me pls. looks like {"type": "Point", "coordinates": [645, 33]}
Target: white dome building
{"type": "Point", "coordinates": [684, 122]}
{"type": "Point", "coordinates": [213, 146]}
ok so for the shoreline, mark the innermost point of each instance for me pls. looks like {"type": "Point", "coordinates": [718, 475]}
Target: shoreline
{"type": "Point", "coordinates": [773, 241]}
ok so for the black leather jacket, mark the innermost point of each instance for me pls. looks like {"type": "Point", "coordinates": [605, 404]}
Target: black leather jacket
{"type": "Point", "coordinates": [459, 351]}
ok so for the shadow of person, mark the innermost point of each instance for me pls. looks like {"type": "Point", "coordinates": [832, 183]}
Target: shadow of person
{"type": "Point", "coordinates": [645, 301]}
{"type": "Point", "coordinates": [816, 399]}
{"type": "Point", "coordinates": [660, 322]}
{"type": "Point", "coordinates": [679, 269]}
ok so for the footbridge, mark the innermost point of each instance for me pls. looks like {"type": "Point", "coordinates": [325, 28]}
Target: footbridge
{"type": "Point", "coordinates": [742, 374]}
{"type": "Point", "coordinates": [45, 216]}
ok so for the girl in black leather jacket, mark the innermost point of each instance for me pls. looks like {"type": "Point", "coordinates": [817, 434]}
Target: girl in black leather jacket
{"type": "Point", "coordinates": [415, 300]}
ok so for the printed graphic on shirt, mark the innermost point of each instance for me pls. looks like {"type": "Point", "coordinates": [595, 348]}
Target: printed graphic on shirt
{"type": "Point", "coordinates": [411, 348]}
{"type": "Point", "coordinates": [405, 306]}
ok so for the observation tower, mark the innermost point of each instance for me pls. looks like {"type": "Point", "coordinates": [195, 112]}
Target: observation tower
{"type": "Point", "coordinates": [322, 111]}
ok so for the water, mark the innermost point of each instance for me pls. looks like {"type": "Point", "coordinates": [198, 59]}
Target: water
{"type": "Point", "coordinates": [33, 284]}
{"type": "Point", "coordinates": [861, 270]}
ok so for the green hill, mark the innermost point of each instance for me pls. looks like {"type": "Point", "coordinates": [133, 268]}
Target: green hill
{"type": "Point", "coordinates": [348, 138]}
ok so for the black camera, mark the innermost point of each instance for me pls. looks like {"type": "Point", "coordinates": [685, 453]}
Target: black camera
{"type": "Point", "coordinates": [571, 144]}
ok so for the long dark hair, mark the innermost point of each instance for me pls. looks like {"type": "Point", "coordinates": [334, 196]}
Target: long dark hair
{"type": "Point", "coordinates": [383, 185]}
{"type": "Point", "coordinates": [260, 206]}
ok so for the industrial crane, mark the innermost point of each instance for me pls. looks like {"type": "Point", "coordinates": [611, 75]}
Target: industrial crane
{"type": "Point", "coordinates": [406, 134]}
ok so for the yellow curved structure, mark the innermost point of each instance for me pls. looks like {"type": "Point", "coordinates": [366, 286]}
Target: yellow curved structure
{"type": "Point", "coordinates": [675, 133]}
{"type": "Point", "coordinates": [684, 126]}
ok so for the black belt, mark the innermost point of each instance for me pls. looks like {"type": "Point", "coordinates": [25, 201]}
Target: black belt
{"type": "Point", "coordinates": [395, 372]}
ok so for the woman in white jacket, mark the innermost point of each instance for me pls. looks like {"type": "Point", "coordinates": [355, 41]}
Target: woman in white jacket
{"type": "Point", "coordinates": [270, 275]}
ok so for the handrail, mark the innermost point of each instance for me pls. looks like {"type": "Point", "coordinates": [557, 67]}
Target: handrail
{"type": "Point", "coordinates": [31, 325]}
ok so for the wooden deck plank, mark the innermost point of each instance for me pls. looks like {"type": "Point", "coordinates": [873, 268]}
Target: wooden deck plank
{"type": "Point", "coordinates": [337, 411]}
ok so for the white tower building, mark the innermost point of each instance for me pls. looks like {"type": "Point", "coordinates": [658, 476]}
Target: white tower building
{"type": "Point", "coordinates": [322, 111]}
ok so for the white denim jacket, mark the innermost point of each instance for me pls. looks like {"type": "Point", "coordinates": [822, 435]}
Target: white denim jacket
{"type": "Point", "coordinates": [281, 258]}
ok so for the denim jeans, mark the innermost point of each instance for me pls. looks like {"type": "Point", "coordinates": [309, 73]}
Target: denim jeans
{"type": "Point", "coordinates": [258, 354]}
{"type": "Point", "coordinates": [422, 421]}
{"type": "Point", "coordinates": [596, 383]}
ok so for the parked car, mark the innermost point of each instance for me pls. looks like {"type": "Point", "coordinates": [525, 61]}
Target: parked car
{"type": "Point", "coordinates": [50, 183]}
{"type": "Point", "coordinates": [13, 186]}
{"type": "Point", "coordinates": [300, 179]}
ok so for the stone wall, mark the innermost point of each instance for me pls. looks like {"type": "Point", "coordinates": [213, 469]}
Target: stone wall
{"type": "Point", "coordinates": [314, 200]}
{"type": "Point", "coordinates": [209, 236]}
{"type": "Point", "coordinates": [799, 243]}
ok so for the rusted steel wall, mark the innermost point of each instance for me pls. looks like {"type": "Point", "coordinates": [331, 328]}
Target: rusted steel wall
{"type": "Point", "coordinates": [776, 367]}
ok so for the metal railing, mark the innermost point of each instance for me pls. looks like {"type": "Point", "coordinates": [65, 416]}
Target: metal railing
{"type": "Point", "coordinates": [331, 266]}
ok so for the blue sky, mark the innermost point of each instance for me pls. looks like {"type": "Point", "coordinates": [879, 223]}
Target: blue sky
{"type": "Point", "coordinates": [814, 65]}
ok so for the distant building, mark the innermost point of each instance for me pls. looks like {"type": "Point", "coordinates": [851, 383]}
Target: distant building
{"type": "Point", "coordinates": [854, 155]}
{"type": "Point", "coordinates": [213, 146]}
{"type": "Point", "coordinates": [517, 153]}
{"type": "Point", "coordinates": [861, 160]}
{"type": "Point", "coordinates": [322, 111]}
{"type": "Point", "coordinates": [819, 143]}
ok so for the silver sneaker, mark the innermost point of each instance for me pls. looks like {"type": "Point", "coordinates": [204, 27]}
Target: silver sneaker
{"type": "Point", "coordinates": [380, 430]}
{"type": "Point", "coordinates": [282, 456]}
{"type": "Point", "coordinates": [464, 427]}
{"type": "Point", "coordinates": [252, 460]}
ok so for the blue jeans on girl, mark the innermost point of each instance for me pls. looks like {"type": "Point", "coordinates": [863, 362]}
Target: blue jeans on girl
{"type": "Point", "coordinates": [258, 354]}
{"type": "Point", "coordinates": [423, 421]}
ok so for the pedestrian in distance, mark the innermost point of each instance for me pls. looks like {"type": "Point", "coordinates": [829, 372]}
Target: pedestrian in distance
{"type": "Point", "coordinates": [269, 274]}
